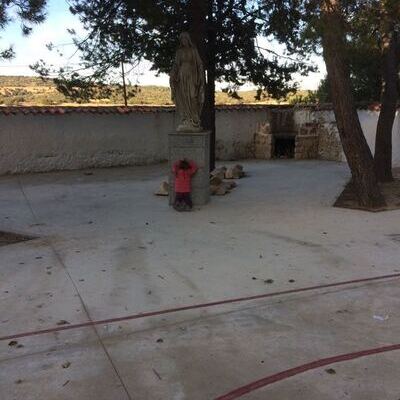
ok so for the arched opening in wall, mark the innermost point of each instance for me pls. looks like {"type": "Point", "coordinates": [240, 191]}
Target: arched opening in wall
{"type": "Point", "coordinates": [284, 146]}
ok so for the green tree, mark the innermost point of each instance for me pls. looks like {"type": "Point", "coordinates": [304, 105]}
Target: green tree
{"type": "Point", "coordinates": [225, 32]}
{"type": "Point", "coordinates": [373, 52]}
{"type": "Point", "coordinates": [365, 74]}
{"type": "Point", "coordinates": [28, 12]}
{"type": "Point", "coordinates": [311, 25]}
{"type": "Point", "coordinates": [355, 146]}
{"type": "Point", "coordinates": [386, 17]}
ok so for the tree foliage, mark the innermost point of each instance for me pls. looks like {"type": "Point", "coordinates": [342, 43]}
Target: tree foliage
{"type": "Point", "coordinates": [365, 74]}
{"type": "Point", "coordinates": [365, 47]}
{"type": "Point", "coordinates": [133, 30]}
{"type": "Point", "coordinates": [340, 28]}
{"type": "Point", "coordinates": [28, 12]}
{"type": "Point", "coordinates": [364, 37]}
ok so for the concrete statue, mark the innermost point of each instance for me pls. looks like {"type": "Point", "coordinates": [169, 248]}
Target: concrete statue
{"type": "Point", "coordinates": [187, 85]}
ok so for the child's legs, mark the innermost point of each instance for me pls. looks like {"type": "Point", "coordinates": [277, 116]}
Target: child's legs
{"type": "Point", "coordinates": [179, 199]}
{"type": "Point", "coordinates": [187, 199]}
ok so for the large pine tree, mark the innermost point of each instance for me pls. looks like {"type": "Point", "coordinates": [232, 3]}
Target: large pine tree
{"type": "Point", "coordinates": [373, 35]}
{"type": "Point", "coordinates": [226, 33]}
{"type": "Point", "coordinates": [312, 25]}
{"type": "Point", "coordinates": [385, 16]}
{"type": "Point", "coordinates": [354, 143]}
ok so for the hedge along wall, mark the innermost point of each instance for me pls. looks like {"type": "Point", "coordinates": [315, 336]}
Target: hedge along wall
{"type": "Point", "coordinates": [36, 139]}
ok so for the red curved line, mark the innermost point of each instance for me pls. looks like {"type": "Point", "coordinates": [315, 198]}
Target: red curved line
{"type": "Point", "coordinates": [251, 387]}
{"type": "Point", "coordinates": [192, 307]}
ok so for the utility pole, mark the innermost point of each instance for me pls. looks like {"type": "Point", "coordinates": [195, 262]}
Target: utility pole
{"type": "Point", "coordinates": [124, 84]}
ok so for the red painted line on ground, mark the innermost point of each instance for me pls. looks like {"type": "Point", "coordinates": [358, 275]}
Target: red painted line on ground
{"type": "Point", "coordinates": [269, 380]}
{"type": "Point", "coordinates": [193, 307]}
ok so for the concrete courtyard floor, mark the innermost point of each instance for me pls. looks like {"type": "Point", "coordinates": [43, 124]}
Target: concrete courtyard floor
{"type": "Point", "coordinates": [107, 247]}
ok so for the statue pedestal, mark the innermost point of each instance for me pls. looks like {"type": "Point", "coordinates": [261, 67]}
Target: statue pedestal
{"type": "Point", "coordinates": [196, 147]}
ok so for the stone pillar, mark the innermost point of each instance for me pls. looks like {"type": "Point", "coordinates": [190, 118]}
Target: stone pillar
{"type": "Point", "coordinates": [306, 147]}
{"type": "Point", "coordinates": [307, 142]}
{"type": "Point", "coordinates": [196, 147]}
{"type": "Point", "coordinates": [263, 144]}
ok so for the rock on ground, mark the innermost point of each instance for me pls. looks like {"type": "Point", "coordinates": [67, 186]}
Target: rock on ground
{"type": "Point", "coordinates": [235, 172]}
{"type": "Point", "coordinates": [163, 190]}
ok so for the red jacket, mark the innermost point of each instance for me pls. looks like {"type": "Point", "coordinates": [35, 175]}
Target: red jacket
{"type": "Point", "coordinates": [183, 177]}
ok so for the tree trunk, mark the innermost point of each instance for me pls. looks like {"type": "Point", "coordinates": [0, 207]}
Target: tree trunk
{"type": "Point", "coordinates": [202, 32]}
{"type": "Point", "coordinates": [389, 97]}
{"type": "Point", "coordinates": [209, 111]}
{"type": "Point", "coordinates": [355, 146]}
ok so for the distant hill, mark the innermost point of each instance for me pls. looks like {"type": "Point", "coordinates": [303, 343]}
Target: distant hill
{"type": "Point", "coordinates": [24, 81]}
{"type": "Point", "coordinates": [34, 91]}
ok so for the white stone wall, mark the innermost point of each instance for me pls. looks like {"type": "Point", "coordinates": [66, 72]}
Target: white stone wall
{"type": "Point", "coordinates": [39, 143]}
{"type": "Point", "coordinates": [369, 120]}
{"type": "Point", "coordinates": [43, 142]}
{"type": "Point", "coordinates": [235, 131]}
{"type": "Point", "coordinates": [74, 140]}
{"type": "Point", "coordinates": [331, 147]}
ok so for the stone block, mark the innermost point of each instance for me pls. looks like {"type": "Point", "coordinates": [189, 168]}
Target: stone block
{"type": "Point", "coordinates": [219, 173]}
{"type": "Point", "coordinates": [306, 147]}
{"type": "Point", "coordinates": [215, 180]}
{"type": "Point", "coordinates": [309, 128]}
{"type": "Point", "coordinates": [196, 147]}
{"type": "Point", "coordinates": [330, 147]}
{"type": "Point", "coordinates": [263, 142]}
{"type": "Point", "coordinates": [235, 172]}
{"type": "Point", "coordinates": [163, 190]}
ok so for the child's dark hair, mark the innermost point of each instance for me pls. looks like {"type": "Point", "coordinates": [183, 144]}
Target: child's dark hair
{"type": "Point", "coordinates": [184, 164]}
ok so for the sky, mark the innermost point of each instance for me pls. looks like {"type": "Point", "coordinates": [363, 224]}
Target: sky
{"type": "Point", "coordinates": [33, 48]}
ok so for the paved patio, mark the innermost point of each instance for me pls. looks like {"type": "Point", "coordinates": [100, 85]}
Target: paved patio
{"type": "Point", "coordinates": [106, 247]}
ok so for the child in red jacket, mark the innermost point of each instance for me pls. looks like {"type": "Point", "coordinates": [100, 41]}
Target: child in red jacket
{"type": "Point", "coordinates": [183, 170]}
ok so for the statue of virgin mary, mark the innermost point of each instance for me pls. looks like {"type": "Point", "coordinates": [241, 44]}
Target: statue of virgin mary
{"type": "Point", "coordinates": [187, 85]}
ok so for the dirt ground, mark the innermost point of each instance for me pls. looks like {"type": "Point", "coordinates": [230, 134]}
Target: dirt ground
{"type": "Point", "coordinates": [390, 191]}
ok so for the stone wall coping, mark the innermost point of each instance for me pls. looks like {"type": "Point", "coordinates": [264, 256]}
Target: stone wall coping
{"type": "Point", "coordinates": [62, 110]}
{"type": "Point", "coordinates": [329, 106]}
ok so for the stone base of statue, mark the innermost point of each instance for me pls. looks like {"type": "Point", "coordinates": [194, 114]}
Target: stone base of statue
{"type": "Point", "coordinates": [192, 146]}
